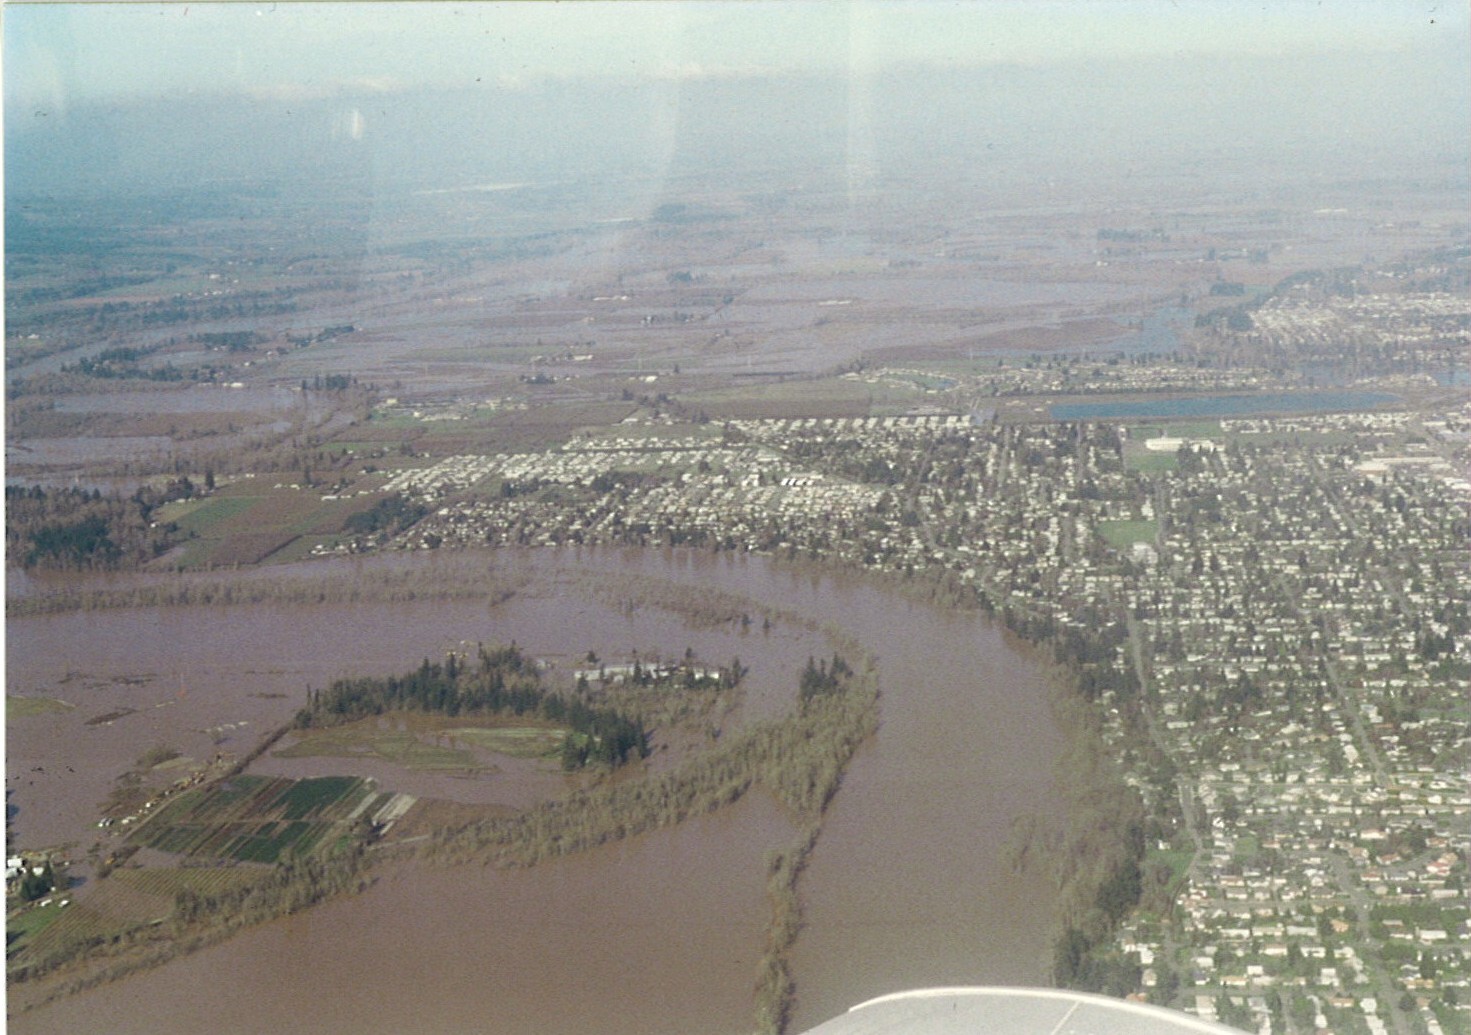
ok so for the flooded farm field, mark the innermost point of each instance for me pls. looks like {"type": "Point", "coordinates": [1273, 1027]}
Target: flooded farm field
{"type": "Point", "coordinates": [209, 679]}
{"type": "Point", "coordinates": [78, 436]}
{"type": "Point", "coordinates": [193, 399]}
{"type": "Point", "coordinates": [662, 932]}
{"type": "Point", "coordinates": [656, 935]}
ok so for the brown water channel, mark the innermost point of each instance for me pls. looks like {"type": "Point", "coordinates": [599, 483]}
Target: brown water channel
{"type": "Point", "coordinates": [662, 933]}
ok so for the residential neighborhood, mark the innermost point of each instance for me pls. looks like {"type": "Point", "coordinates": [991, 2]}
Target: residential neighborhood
{"type": "Point", "coordinates": [1273, 613]}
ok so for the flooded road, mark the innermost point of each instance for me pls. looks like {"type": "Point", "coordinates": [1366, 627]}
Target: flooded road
{"type": "Point", "coordinates": [907, 885]}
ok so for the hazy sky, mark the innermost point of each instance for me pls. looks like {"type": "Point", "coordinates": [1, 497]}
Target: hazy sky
{"type": "Point", "coordinates": [57, 55]}
{"type": "Point", "coordinates": [436, 93]}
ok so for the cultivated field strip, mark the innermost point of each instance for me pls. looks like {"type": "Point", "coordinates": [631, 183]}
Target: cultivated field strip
{"type": "Point", "coordinates": [130, 898]}
{"type": "Point", "coordinates": [258, 819]}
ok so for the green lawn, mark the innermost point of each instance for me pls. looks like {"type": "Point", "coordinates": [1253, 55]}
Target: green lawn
{"type": "Point", "coordinates": [1177, 859]}
{"type": "Point", "coordinates": [23, 926]}
{"type": "Point", "coordinates": [301, 548]}
{"type": "Point", "coordinates": [1123, 534]}
{"type": "Point", "coordinates": [1175, 429]}
{"type": "Point", "coordinates": [1247, 847]}
{"type": "Point", "coordinates": [1137, 457]}
{"type": "Point", "coordinates": [397, 420]}
{"type": "Point", "coordinates": [1148, 461]}
{"type": "Point", "coordinates": [361, 447]}
{"type": "Point", "coordinates": [246, 523]}
{"type": "Point", "coordinates": [1424, 914]}
{"type": "Point", "coordinates": [1326, 437]}
{"type": "Point", "coordinates": [828, 397]}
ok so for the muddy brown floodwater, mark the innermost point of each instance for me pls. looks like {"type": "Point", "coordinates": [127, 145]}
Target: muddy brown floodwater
{"type": "Point", "coordinates": [662, 933]}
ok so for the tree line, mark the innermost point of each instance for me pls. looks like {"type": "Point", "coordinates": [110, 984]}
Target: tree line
{"type": "Point", "coordinates": [404, 586]}
{"type": "Point", "coordinates": [1097, 863]}
{"type": "Point", "coordinates": [75, 528]}
{"type": "Point", "coordinates": [390, 516]}
{"type": "Point", "coordinates": [820, 678]}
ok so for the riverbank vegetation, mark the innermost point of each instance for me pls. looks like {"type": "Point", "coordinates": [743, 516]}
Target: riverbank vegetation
{"type": "Point", "coordinates": [702, 607]}
{"type": "Point", "coordinates": [1097, 864]}
{"type": "Point", "coordinates": [1096, 860]}
{"type": "Point", "coordinates": [318, 586]}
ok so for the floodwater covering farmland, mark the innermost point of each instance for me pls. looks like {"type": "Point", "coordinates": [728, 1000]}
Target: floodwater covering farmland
{"type": "Point", "coordinates": [662, 932]}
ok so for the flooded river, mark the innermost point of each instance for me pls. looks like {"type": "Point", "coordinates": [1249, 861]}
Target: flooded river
{"type": "Point", "coordinates": [662, 933]}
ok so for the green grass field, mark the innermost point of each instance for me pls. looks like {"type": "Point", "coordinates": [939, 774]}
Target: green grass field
{"type": "Point", "coordinates": [1327, 437]}
{"type": "Point", "coordinates": [25, 925]}
{"type": "Point", "coordinates": [247, 522]}
{"type": "Point", "coordinates": [203, 517]}
{"type": "Point", "coordinates": [17, 707]}
{"type": "Point", "coordinates": [1175, 429]}
{"type": "Point", "coordinates": [1178, 860]}
{"type": "Point", "coordinates": [361, 447]}
{"type": "Point", "coordinates": [426, 748]}
{"type": "Point", "coordinates": [393, 419]}
{"type": "Point", "coordinates": [828, 397]}
{"type": "Point", "coordinates": [398, 747]}
{"type": "Point", "coordinates": [516, 741]}
{"type": "Point", "coordinates": [1247, 848]}
{"type": "Point", "coordinates": [1123, 534]}
{"type": "Point", "coordinates": [1137, 457]}
{"type": "Point", "coordinates": [1448, 915]}
{"type": "Point", "coordinates": [1148, 461]}
{"type": "Point", "coordinates": [300, 548]}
